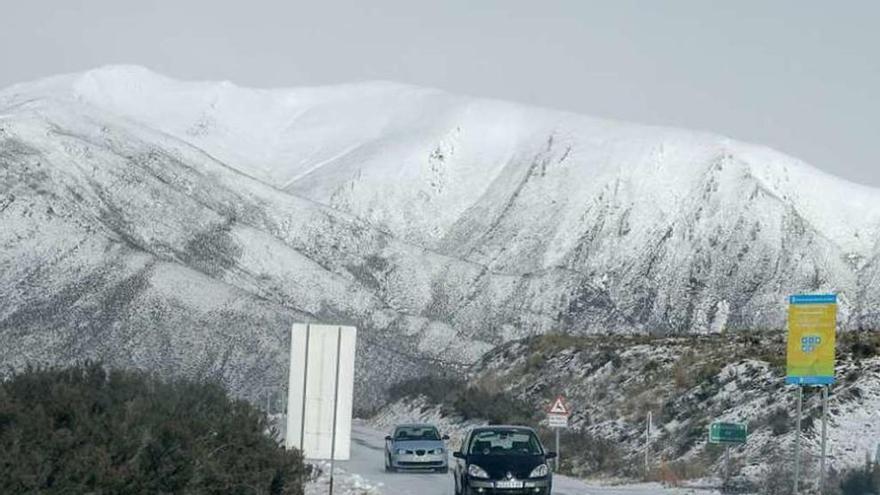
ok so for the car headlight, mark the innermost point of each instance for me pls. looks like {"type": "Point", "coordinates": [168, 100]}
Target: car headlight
{"type": "Point", "coordinates": [401, 451]}
{"type": "Point", "coordinates": [540, 471]}
{"type": "Point", "coordinates": [475, 471]}
{"type": "Point", "coordinates": [436, 451]}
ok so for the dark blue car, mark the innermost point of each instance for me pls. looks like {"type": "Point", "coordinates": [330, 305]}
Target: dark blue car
{"type": "Point", "coordinates": [502, 460]}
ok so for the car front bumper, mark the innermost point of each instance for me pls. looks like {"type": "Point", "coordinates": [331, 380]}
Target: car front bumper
{"type": "Point", "coordinates": [529, 487]}
{"type": "Point", "coordinates": [413, 461]}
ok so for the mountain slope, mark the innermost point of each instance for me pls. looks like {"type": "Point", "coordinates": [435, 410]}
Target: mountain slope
{"type": "Point", "coordinates": [183, 226]}
{"type": "Point", "coordinates": [611, 383]}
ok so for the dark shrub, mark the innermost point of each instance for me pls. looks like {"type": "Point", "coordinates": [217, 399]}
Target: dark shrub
{"type": "Point", "coordinates": [779, 421]}
{"type": "Point", "coordinates": [89, 430]}
{"type": "Point", "coordinates": [584, 454]}
{"type": "Point", "coordinates": [862, 344]}
{"type": "Point", "coordinates": [456, 397]}
{"type": "Point", "coordinates": [495, 407]}
{"type": "Point", "coordinates": [864, 481]}
{"type": "Point", "coordinates": [435, 389]}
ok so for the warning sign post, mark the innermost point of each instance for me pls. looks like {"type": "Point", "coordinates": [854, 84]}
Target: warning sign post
{"type": "Point", "coordinates": [557, 418]}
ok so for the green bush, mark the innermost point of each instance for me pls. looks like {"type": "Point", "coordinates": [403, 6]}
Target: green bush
{"type": "Point", "coordinates": [495, 407]}
{"type": "Point", "coordinates": [861, 344]}
{"type": "Point", "coordinates": [779, 421]}
{"type": "Point", "coordinates": [584, 454]}
{"type": "Point", "coordinates": [456, 397]}
{"type": "Point", "coordinates": [864, 481]}
{"type": "Point", "coordinates": [435, 389]}
{"type": "Point", "coordinates": [85, 429]}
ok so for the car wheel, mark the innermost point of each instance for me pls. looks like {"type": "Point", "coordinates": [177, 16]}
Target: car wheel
{"type": "Point", "coordinates": [443, 470]}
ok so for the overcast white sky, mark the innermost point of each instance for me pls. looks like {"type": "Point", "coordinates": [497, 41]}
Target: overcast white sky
{"type": "Point", "coordinates": [800, 76]}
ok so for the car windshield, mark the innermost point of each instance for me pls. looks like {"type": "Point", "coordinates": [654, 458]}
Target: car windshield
{"type": "Point", "coordinates": [505, 442]}
{"type": "Point", "coordinates": [416, 433]}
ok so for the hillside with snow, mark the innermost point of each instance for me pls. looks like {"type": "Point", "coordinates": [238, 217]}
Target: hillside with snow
{"type": "Point", "coordinates": [182, 226]}
{"type": "Point", "coordinates": [611, 383]}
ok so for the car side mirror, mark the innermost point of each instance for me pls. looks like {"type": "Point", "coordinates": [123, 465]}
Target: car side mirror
{"type": "Point", "coordinates": [388, 438]}
{"type": "Point", "coordinates": [445, 437]}
{"type": "Point", "coordinates": [458, 455]}
{"type": "Point", "coordinates": [550, 455]}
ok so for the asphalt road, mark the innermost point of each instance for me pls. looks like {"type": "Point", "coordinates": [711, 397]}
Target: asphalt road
{"type": "Point", "coordinates": [367, 462]}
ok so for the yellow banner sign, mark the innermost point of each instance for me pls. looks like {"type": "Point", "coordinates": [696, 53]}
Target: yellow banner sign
{"type": "Point", "coordinates": [812, 326]}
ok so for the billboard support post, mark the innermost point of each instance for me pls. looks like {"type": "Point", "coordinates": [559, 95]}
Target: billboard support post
{"type": "Point", "coordinates": [824, 438]}
{"type": "Point", "coordinates": [797, 439]}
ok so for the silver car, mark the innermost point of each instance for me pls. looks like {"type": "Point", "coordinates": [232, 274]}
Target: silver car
{"type": "Point", "coordinates": [416, 446]}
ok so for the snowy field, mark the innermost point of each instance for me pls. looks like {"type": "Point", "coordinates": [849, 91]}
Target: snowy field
{"type": "Point", "coordinates": [365, 474]}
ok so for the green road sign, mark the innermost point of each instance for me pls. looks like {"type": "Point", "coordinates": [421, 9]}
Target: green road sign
{"type": "Point", "coordinates": [727, 433]}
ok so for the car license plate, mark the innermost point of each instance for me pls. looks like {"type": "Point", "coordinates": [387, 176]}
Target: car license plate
{"type": "Point", "coordinates": [509, 484]}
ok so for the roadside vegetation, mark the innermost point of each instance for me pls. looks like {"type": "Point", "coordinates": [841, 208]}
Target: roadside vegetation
{"type": "Point", "coordinates": [87, 429]}
{"type": "Point", "coordinates": [456, 398]}
{"type": "Point", "coordinates": [585, 453]}
{"type": "Point", "coordinates": [865, 480]}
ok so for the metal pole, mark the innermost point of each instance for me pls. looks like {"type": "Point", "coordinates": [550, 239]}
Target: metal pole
{"type": "Point", "coordinates": [335, 406]}
{"type": "Point", "coordinates": [648, 445]}
{"type": "Point", "coordinates": [797, 440]}
{"type": "Point", "coordinates": [557, 449]}
{"type": "Point", "coordinates": [824, 438]}
{"type": "Point", "coordinates": [726, 464]}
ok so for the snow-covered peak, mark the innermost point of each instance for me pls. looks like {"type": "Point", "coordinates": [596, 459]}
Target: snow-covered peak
{"type": "Point", "coordinates": [415, 160]}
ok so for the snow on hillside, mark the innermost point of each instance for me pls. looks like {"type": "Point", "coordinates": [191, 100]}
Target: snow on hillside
{"type": "Point", "coordinates": [184, 225]}
{"type": "Point", "coordinates": [611, 383]}
{"type": "Point", "coordinates": [371, 138]}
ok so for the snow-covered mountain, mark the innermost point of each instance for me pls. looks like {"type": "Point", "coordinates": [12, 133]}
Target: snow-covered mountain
{"type": "Point", "coordinates": [182, 226]}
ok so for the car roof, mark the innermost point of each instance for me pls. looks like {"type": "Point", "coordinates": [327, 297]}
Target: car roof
{"type": "Point", "coordinates": [414, 425]}
{"type": "Point", "coordinates": [503, 427]}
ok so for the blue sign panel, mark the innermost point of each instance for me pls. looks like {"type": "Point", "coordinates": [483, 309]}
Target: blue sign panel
{"type": "Point", "coordinates": [813, 299]}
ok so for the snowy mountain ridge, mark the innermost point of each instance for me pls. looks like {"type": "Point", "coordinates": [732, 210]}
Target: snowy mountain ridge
{"type": "Point", "coordinates": [182, 226]}
{"type": "Point", "coordinates": [285, 137]}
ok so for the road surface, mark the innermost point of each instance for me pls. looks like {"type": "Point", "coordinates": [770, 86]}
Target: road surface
{"type": "Point", "coordinates": [367, 463]}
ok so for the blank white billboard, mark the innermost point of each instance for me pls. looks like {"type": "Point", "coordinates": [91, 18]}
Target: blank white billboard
{"type": "Point", "coordinates": [313, 384]}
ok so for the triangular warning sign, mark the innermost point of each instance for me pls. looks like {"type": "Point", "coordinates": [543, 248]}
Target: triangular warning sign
{"type": "Point", "coordinates": [559, 406]}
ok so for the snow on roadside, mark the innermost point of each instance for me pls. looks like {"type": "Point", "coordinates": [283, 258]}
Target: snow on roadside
{"type": "Point", "coordinates": [344, 483]}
